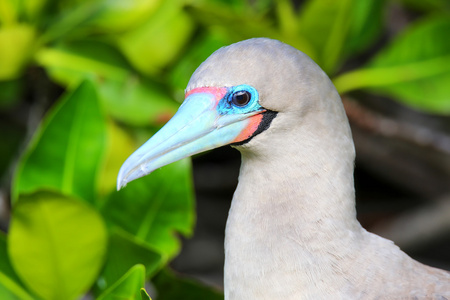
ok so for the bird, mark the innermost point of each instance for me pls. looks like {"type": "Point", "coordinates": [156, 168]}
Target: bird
{"type": "Point", "coordinates": [291, 231]}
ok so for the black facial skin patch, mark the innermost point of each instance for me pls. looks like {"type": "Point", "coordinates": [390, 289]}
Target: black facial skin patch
{"type": "Point", "coordinates": [267, 118]}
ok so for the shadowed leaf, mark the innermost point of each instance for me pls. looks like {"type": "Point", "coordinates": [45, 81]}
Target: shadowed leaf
{"type": "Point", "coordinates": [173, 287]}
{"type": "Point", "coordinates": [127, 287]}
{"type": "Point", "coordinates": [415, 68]}
{"type": "Point", "coordinates": [155, 207]}
{"type": "Point", "coordinates": [65, 154]}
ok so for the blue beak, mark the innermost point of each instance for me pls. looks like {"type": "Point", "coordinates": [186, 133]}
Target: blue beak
{"type": "Point", "coordinates": [197, 126]}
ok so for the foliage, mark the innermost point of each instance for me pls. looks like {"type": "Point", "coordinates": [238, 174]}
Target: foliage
{"type": "Point", "coordinates": [123, 64]}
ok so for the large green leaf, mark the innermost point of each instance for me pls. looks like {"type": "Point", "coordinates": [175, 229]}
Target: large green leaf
{"type": "Point", "coordinates": [127, 287]}
{"type": "Point", "coordinates": [11, 287]}
{"type": "Point", "coordinates": [56, 244]}
{"type": "Point", "coordinates": [173, 287]}
{"type": "Point", "coordinates": [154, 44]}
{"type": "Point", "coordinates": [66, 153]}
{"type": "Point", "coordinates": [124, 252]}
{"type": "Point", "coordinates": [414, 68]}
{"type": "Point", "coordinates": [155, 207]}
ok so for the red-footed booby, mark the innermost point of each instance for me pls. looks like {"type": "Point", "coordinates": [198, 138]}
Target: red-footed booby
{"type": "Point", "coordinates": [292, 231]}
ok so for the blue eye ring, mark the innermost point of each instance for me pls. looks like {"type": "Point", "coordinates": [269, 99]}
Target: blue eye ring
{"type": "Point", "coordinates": [232, 104]}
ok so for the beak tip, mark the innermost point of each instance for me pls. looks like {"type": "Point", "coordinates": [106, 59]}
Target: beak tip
{"type": "Point", "coordinates": [122, 178]}
{"type": "Point", "coordinates": [120, 185]}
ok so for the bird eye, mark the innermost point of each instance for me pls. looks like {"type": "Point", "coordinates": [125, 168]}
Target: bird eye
{"type": "Point", "coordinates": [241, 98]}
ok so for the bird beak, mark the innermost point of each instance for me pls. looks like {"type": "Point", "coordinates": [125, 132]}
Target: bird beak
{"type": "Point", "coordinates": [196, 127]}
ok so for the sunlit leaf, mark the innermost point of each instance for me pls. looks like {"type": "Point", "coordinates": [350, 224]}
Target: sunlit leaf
{"type": "Point", "coordinates": [124, 252]}
{"type": "Point", "coordinates": [155, 43]}
{"type": "Point", "coordinates": [56, 244]}
{"type": "Point", "coordinates": [119, 16]}
{"type": "Point", "coordinates": [33, 8]}
{"type": "Point", "coordinates": [9, 11]}
{"type": "Point", "coordinates": [66, 153]}
{"type": "Point", "coordinates": [173, 287]}
{"type": "Point", "coordinates": [17, 43]}
{"type": "Point", "coordinates": [287, 17]}
{"type": "Point", "coordinates": [11, 288]}
{"type": "Point", "coordinates": [154, 208]}
{"type": "Point", "coordinates": [414, 68]}
{"type": "Point", "coordinates": [137, 102]}
{"type": "Point", "coordinates": [127, 287]}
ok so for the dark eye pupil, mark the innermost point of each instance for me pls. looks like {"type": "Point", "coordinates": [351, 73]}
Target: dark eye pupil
{"type": "Point", "coordinates": [241, 98]}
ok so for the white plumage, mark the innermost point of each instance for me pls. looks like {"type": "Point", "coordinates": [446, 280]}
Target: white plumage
{"type": "Point", "coordinates": [292, 231]}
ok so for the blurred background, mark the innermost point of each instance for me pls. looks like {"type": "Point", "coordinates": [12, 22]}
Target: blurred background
{"type": "Point", "coordinates": [84, 83]}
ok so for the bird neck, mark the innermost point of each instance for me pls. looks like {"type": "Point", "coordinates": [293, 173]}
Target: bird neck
{"type": "Point", "coordinates": [301, 174]}
{"type": "Point", "coordinates": [293, 209]}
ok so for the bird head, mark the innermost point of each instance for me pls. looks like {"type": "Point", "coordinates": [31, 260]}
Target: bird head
{"type": "Point", "coordinates": [231, 98]}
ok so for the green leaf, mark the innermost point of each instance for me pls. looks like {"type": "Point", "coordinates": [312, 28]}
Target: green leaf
{"type": "Point", "coordinates": [201, 47]}
{"type": "Point", "coordinates": [120, 16]}
{"type": "Point", "coordinates": [243, 24]}
{"type": "Point", "coordinates": [414, 68]}
{"type": "Point", "coordinates": [8, 12]}
{"type": "Point", "coordinates": [118, 148]}
{"type": "Point", "coordinates": [71, 20]}
{"type": "Point", "coordinates": [33, 8]}
{"type": "Point", "coordinates": [124, 252]}
{"type": "Point", "coordinates": [287, 17]}
{"type": "Point", "coordinates": [70, 63]}
{"type": "Point", "coordinates": [366, 25]}
{"type": "Point", "coordinates": [17, 44]}
{"type": "Point", "coordinates": [144, 295]}
{"type": "Point", "coordinates": [154, 44]}
{"type": "Point", "coordinates": [173, 287]}
{"type": "Point", "coordinates": [66, 152]}
{"type": "Point", "coordinates": [127, 287]}
{"type": "Point", "coordinates": [11, 287]}
{"type": "Point", "coordinates": [56, 244]}
{"type": "Point", "coordinates": [326, 24]}
{"type": "Point", "coordinates": [155, 207]}
{"type": "Point", "coordinates": [137, 101]}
